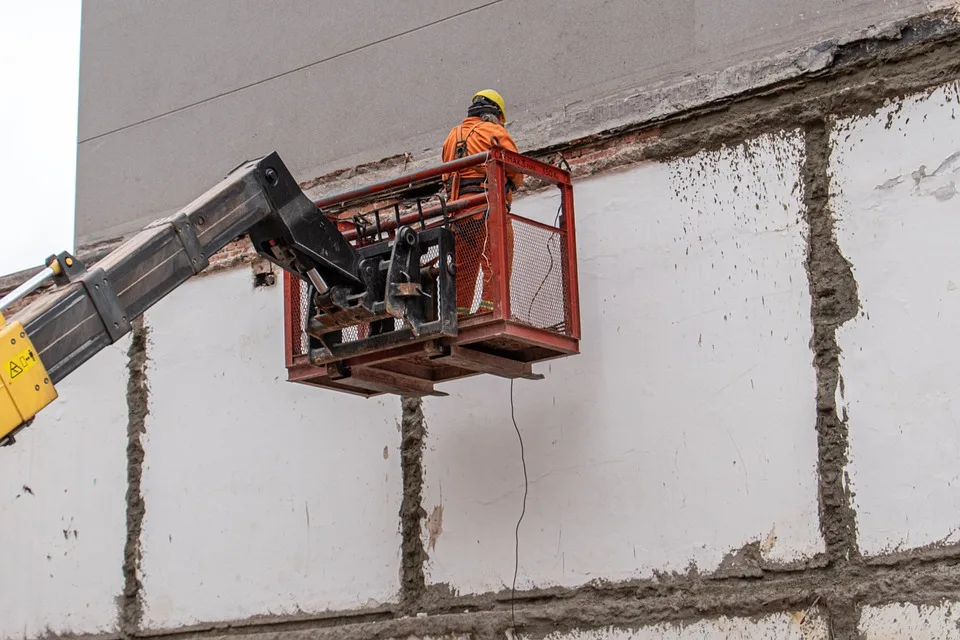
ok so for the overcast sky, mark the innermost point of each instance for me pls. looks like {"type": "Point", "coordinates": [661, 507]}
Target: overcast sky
{"type": "Point", "coordinates": [39, 72]}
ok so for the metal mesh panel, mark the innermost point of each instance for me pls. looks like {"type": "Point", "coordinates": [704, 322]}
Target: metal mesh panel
{"type": "Point", "coordinates": [473, 255]}
{"type": "Point", "coordinates": [301, 345]}
{"type": "Point", "coordinates": [539, 276]}
{"type": "Point", "coordinates": [430, 256]}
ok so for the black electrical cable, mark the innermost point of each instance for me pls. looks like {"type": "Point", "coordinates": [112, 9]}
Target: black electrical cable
{"type": "Point", "coordinates": [288, 72]}
{"type": "Point", "coordinates": [526, 487]}
{"type": "Point", "coordinates": [556, 221]}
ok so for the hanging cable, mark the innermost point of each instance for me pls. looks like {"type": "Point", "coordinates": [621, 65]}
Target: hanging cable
{"type": "Point", "coordinates": [556, 221]}
{"type": "Point", "coordinates": [523, 511]}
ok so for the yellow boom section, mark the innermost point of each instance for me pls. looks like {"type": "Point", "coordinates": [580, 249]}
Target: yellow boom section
{"type": "Point", "coordinates": [25, 387]}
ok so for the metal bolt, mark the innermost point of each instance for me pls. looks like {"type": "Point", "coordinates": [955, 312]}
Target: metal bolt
{"type": "Point", "coordinates": [271, 176]}
{"type": "Point", "coordinates": [23, 335]}
{"type": "Point", "coordinates": [46, 381]}
{"type": "Point", "coordinates": [200, 220]}
{"type": "Point", "coordinates": [36, 387]}
{"type": "Point", "coordinates": [13, 341]}
{"type": "Point", "coordinates": [451, 265]}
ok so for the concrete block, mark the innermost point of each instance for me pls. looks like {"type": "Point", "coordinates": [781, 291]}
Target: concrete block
{"type": "Point", "coordinates": [62, 509]}
{"type": "Point", "coordinates": [262, 496]}
{"type": "Point", "coordinates": [909, 621]}
{"type": "Point", "coordinates": [895, 176]}
{"type": "Point", "coordinates": [783, 626]}
{"type": "Point", "coordinates": [685, 429]}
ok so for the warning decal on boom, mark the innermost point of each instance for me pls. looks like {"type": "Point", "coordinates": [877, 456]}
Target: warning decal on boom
{"type": "Point", "coordinates": [21, 363]}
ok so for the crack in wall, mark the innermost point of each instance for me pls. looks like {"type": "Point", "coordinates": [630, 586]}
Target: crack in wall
{"type": "Point", "coordinates": [413, 556]}
{"type": "Point", "coordinates": [131, 601]}
{"type": "Point", "coordinates": [834, 300]}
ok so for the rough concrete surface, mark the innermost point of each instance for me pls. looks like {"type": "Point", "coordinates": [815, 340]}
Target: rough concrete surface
{"type": "Point", "coordinates": [670, 601]}
{"type": "Point", "coordinates": [895, 176]}
{"type": "Point", "coordinates": [865, 75]}
{"type": "Point", "coordinates": [138, 401]}
{"type": "Point", "coordinates": [413, 433]}
{"type": "Point", "coordinates": [833, 293]}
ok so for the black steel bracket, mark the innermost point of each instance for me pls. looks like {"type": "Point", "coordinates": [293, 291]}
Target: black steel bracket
{"type": "Point", "coordinates": [72, 269]}
{"type": "Point", "coordinates": [107, 304]}
{"type": "Point", "coordinates": [188, 237]}
{"type": "Point", "coordinates": [99, 290]}
{"type": "Point", "coordinates": [404, 291]}
{"type": "Point", "coordinates": [424, 296]}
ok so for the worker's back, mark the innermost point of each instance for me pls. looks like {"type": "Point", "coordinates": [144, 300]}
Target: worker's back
{"type": "Point", "coordinates": [476, 135]}
{"type": "Point", "coordinates": [481, 130]}
{"type": "Point", "coordinates": [479, 135]}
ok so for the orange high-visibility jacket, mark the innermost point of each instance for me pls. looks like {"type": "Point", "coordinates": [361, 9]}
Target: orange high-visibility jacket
{"type": "Point", "coordinates": [480, 136]}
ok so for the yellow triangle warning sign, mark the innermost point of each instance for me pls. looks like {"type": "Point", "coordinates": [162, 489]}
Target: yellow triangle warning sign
{"type": "Point", "coordinates": [15, 369]}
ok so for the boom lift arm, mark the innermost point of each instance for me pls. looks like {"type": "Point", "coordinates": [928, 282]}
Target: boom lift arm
{"type": "Point", "coordinates": [93, 308]}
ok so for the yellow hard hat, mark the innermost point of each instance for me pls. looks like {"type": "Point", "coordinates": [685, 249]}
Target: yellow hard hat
{"type": "Point", "coordinates": [492, 95]}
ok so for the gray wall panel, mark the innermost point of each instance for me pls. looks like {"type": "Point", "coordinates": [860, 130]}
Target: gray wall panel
{"type": "Point", "coordinates": [143, 59]}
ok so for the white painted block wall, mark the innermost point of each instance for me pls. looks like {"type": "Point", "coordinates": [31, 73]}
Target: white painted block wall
{"type": "Point", "coordinates": [262, 496]}
{"type": "Point", "coordinates": [797, 625]}
{"type": "Point", "coordinates": [895, 177]}
{"type": "Point", "coordinates": [685, 429]}
{"type": "Point", "coordinates": [911, 622]}
{"type": "Point", "coordinates": [62, 508]}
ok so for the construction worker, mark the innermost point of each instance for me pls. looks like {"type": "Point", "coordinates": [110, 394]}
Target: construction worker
{"type": "Point", "coordinates": [482, 129]}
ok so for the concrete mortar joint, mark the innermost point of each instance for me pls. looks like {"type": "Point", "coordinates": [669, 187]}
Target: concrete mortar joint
{"type": "Point", "coordinates": [834, 300]}
{"type": "Point", "coordinates": [130, 603]}
{"type": "Point", "coordinates": [413, 553]}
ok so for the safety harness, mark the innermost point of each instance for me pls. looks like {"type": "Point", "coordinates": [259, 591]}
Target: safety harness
{"type": "Point", "coordinates": [455, 184]}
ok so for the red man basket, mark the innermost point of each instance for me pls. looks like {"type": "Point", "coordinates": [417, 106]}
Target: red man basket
{"type": "Point", "coordinates": [516, 281]}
